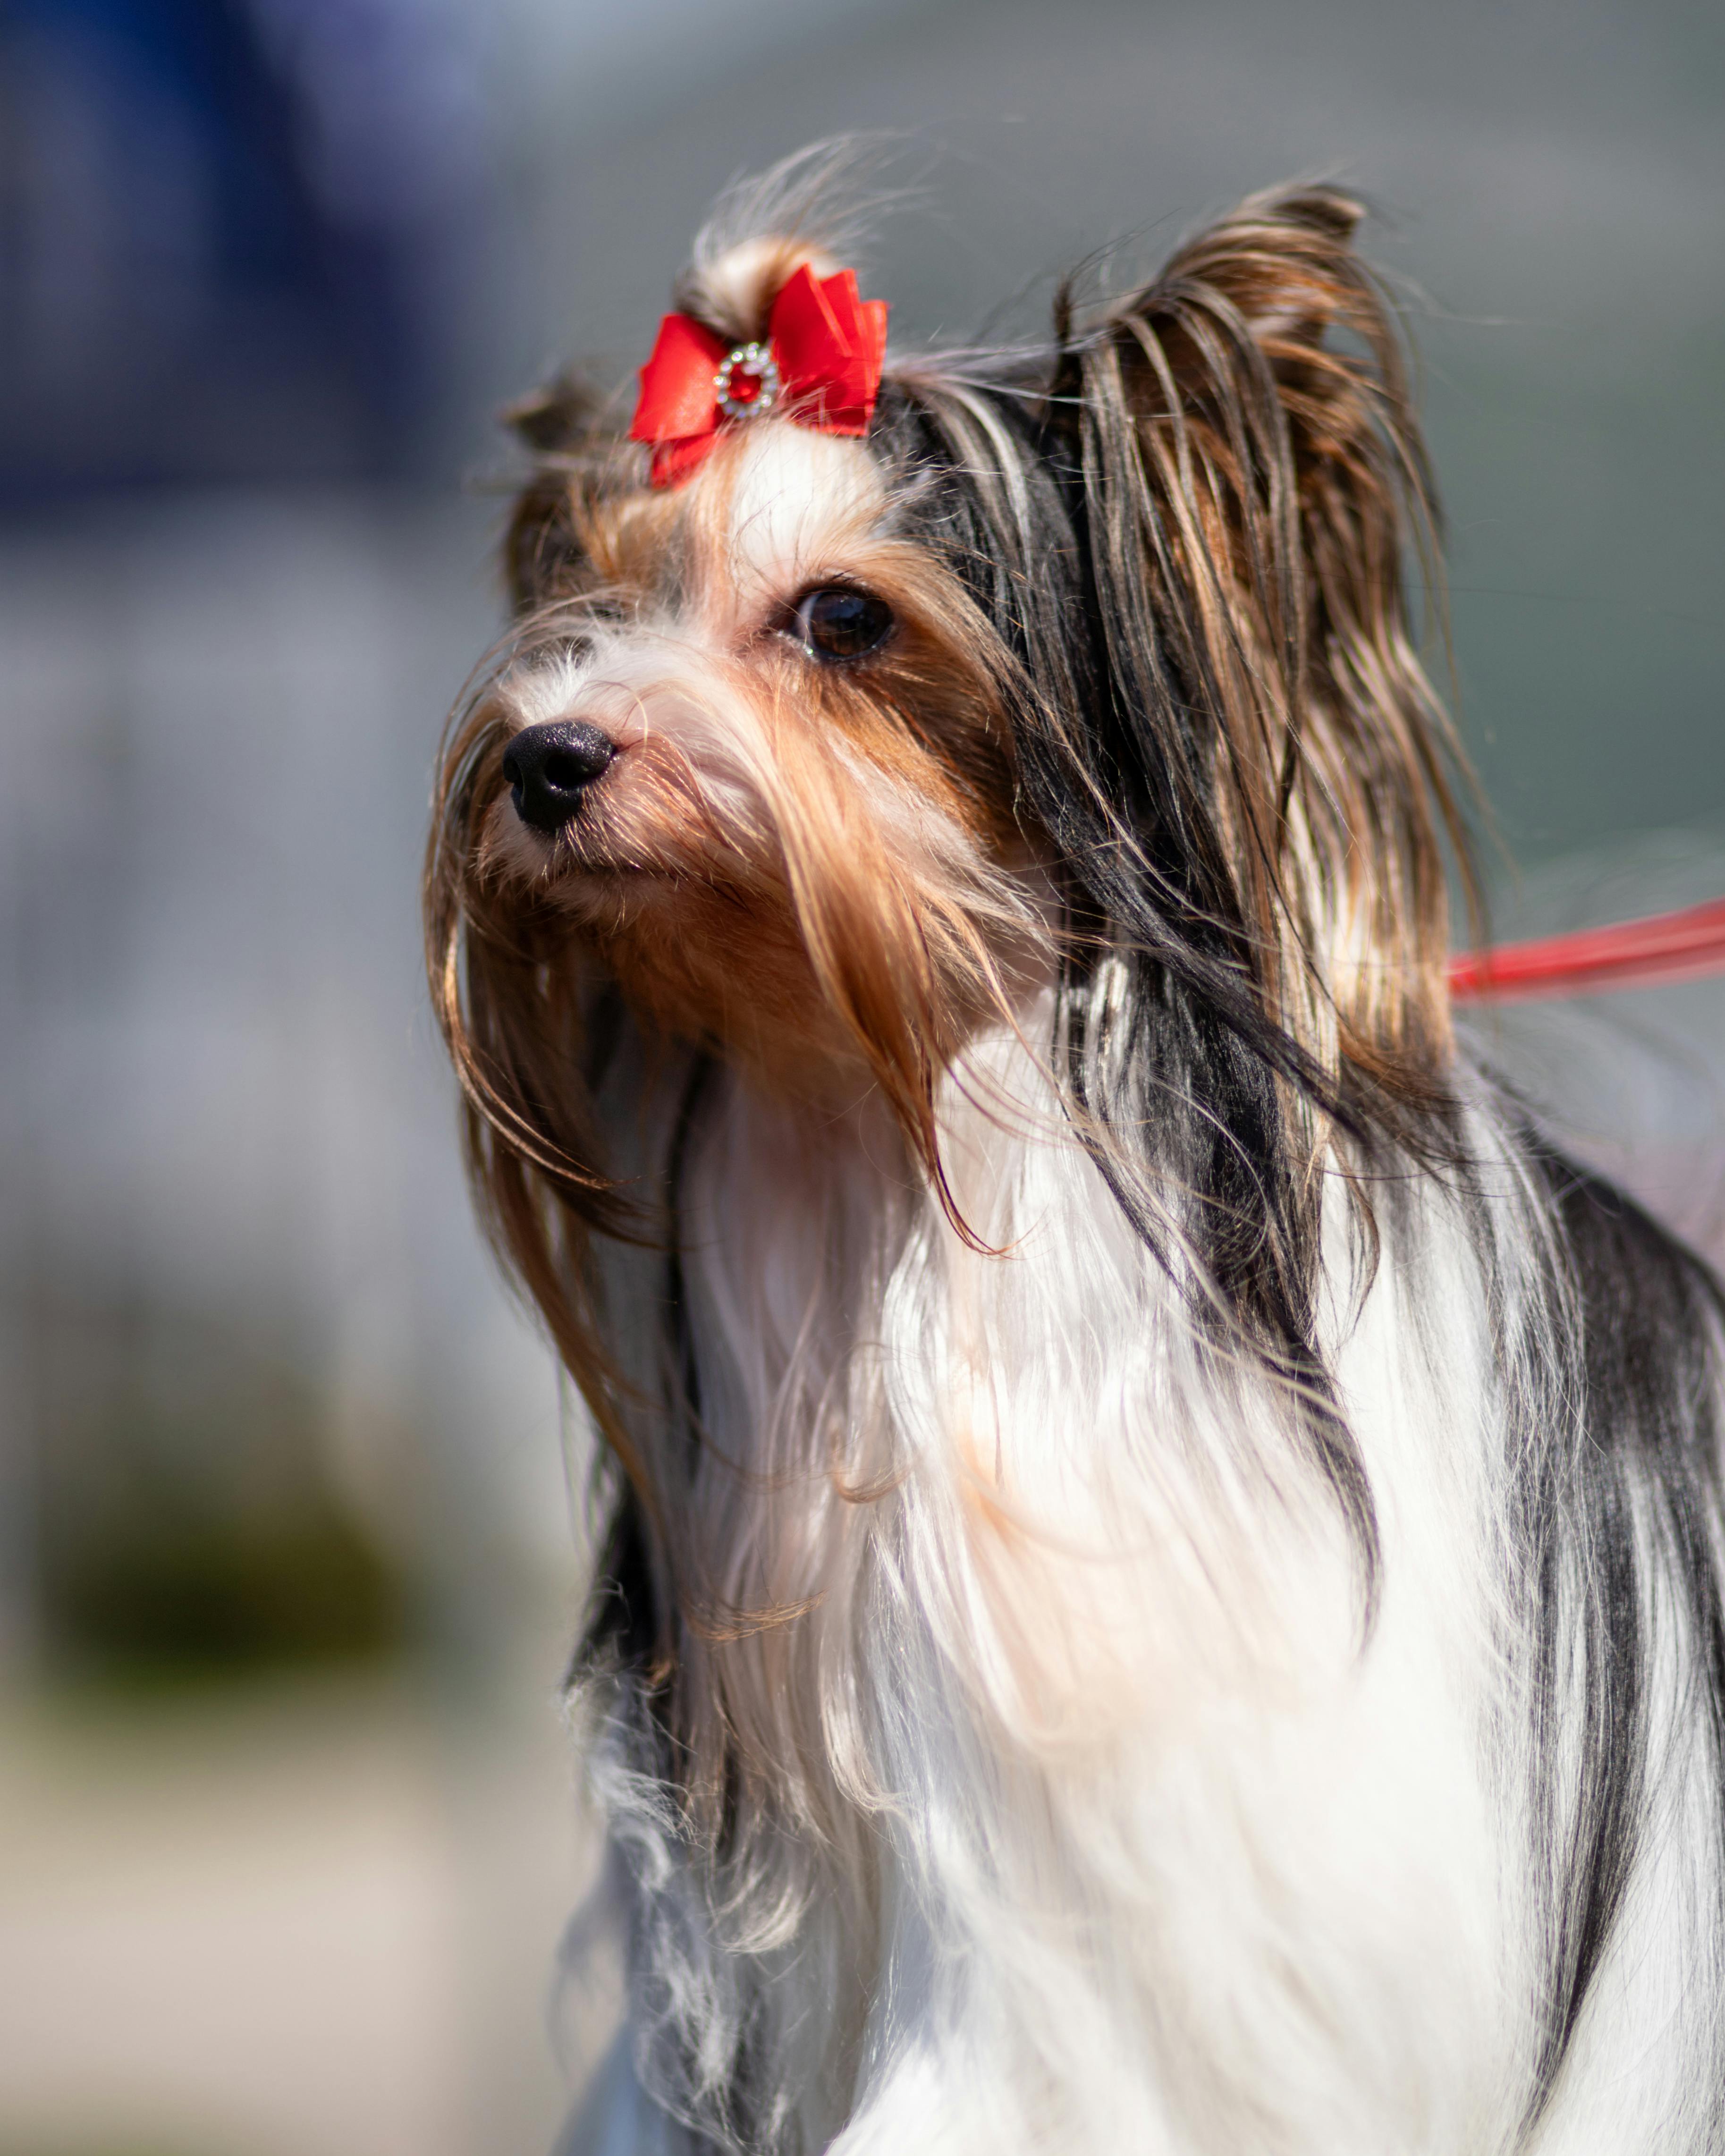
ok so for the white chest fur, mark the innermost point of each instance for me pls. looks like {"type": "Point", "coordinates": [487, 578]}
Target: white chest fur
{"type": "Point", "coordinates": [1074, 1806]}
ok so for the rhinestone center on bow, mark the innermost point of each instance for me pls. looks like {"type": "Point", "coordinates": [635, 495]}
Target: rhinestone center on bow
{"type": "Point", "coordinates": [747, 383]}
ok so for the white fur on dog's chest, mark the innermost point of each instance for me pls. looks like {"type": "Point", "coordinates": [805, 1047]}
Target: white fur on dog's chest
{"type": "Point", "coordinates": [1156, 1840]}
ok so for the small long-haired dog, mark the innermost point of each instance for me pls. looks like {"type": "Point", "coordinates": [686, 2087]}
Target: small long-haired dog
{"type": "Point", "coordinates": [1164, 1577]}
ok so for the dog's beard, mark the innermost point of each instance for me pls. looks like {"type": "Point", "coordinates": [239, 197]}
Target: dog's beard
{"type": "Point", "coordinates": [771, 890]}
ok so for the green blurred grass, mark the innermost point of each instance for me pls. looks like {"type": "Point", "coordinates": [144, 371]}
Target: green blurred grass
{"type": "Point", "coordinates": [189, 1525]}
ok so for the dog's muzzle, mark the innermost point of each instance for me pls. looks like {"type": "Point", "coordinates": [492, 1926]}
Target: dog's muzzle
{"type": "Point", "coordinates": [550, 768]}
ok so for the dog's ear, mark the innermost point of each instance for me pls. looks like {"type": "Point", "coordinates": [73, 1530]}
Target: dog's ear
{"type": "Point", "coordinates": [553, 419]}
{"type": "Point", "coordinates": [1256, 496]}
{"type": "Point", "coordinates": [556, 422]}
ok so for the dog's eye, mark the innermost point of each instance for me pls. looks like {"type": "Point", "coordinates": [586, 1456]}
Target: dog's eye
{"type": "Point", "coordinates": [840, 622]}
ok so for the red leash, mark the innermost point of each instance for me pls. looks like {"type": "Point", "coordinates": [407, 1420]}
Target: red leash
{"type": "Point", "coordinates": [1633, 954]}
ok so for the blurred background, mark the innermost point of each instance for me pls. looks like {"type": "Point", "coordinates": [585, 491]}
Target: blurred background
{"type": "Point", "coordinates": [287, 1559]}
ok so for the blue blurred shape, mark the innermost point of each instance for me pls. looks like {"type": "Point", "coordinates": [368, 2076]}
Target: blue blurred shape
{"type": "Point", "coordinates": [232, 236]}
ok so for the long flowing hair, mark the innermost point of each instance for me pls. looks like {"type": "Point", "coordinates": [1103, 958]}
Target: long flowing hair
{"type": "Point", "coordinates": [1181, 543]}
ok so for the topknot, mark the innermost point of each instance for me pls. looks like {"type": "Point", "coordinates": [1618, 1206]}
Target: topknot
{"type": "Point", "coordinates": [815, 207]}
{"type": "Point", "coordinates": [733, 292]}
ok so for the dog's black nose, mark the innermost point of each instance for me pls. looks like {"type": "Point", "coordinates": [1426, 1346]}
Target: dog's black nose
{"type": "Point", "coordinates": [550, 768]}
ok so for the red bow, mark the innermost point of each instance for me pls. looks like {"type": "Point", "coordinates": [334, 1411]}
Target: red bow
{"type": "Point", "coordinates": [822, 363]}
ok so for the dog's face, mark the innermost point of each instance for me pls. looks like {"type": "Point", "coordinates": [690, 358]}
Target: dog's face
{"type": "Point", "coordinates": [754, 755]}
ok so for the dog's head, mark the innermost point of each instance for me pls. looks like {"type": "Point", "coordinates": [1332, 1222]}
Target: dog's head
{"type": "Point", "coordinates": [850, 709]}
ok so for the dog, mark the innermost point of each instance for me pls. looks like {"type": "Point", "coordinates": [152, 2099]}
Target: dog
{"type": "Point", "coordinates": [1161, 1583]}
